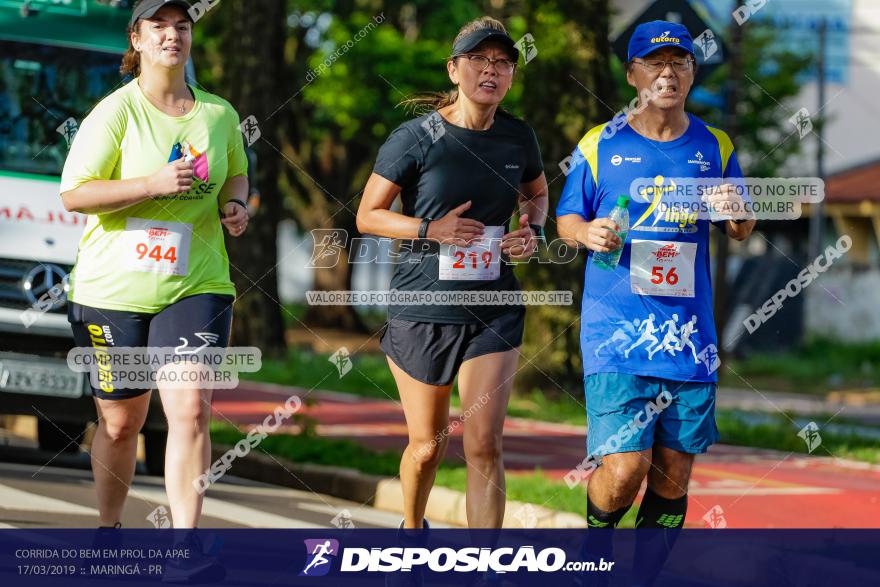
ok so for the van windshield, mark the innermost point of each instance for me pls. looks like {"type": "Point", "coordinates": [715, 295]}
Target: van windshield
{"type": "Point", "coordinates": [45, 92]}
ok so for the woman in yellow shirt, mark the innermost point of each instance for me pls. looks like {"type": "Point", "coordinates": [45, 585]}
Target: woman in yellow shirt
{"type": "Point", "coordinates": [151, 165]}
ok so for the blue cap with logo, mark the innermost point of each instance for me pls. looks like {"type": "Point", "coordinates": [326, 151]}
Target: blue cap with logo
{"type": "Point", "coordinates": [650, 36]}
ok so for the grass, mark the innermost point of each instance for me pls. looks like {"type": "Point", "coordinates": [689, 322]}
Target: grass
{"type": "Point", "coordinates": [535, 487]}
{"type": "Point", "coordinates": [808, 369]}
{"type": "Point", "coordinates": [532, 488]}
{"type": "Point", "coordinates": [537, 405]}
{"type": "Point", "coordinates": [369, 376]}
{"type": "Point", "coordinates": [781, 434]}
{"type": "Point", "coordinates": [817, 366]}
{"type": "Point", "coordinates": [316, 450]}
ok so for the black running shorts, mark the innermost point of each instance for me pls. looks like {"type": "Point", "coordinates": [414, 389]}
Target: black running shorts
{"type": "Point", "coordinates": [201, 320]}
{"type": "Point", "coordinates": [433, 352]}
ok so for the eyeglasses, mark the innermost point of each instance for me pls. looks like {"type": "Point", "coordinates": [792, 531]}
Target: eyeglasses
{"type": "Point", "coordinates": [481, 63]}
{"type": "Point", "coordinates": [658, 65]}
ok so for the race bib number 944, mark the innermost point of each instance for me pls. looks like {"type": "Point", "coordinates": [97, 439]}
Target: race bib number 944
{"type": "Point", "coordinates": [663, 268]}
{"type": "Point", "coordinates": [157, 246]}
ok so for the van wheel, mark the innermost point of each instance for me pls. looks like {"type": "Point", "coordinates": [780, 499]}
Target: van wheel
{"type": "Point", "coordinates": [56, 437]}
{"type": "Point", "coordinates": [154, 451]}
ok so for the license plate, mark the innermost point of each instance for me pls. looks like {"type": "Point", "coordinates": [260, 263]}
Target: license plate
{"type": "Point", "coordinates": [40, 378]}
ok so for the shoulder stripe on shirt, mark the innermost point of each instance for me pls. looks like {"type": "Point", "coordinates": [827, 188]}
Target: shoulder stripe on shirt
{"type": "Point", "coordinates": [589, 147]}
{"type": "Point", "coordinates": [724, 144]}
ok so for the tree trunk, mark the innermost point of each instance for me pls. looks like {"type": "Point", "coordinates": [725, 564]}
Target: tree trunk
{"type": "Point", "coordinates": [552, 343]}
{"type": "Point", "coordinates": [252, 44]}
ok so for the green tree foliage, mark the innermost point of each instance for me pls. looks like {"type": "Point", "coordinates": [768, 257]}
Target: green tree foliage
{"type": "Point", "coordinates": [772, 79]}
{"type": "Point", "coordinates": [566, 90]}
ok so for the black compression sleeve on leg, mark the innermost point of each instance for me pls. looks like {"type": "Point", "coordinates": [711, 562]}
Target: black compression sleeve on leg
{"type": "Point", "coordinates": [598, 543]}
{"type": "Point", "coordinates": [599, 518]}
{"type": "Point", "coordinates": [659, 512]}
{"type": "Point", "coordinates": [662, 520]}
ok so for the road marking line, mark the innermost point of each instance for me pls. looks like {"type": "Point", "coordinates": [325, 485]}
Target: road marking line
{"type": "Point", "coordinates": [368, 515]}
{"type": "Point", "coordinates": [709, 472]}
{"type": "Point", "coordinates": [225, 510]}
{"type": "Point", "coordinates": [18, 500]}
{"type": "Point", "coordinates": [763, 491]}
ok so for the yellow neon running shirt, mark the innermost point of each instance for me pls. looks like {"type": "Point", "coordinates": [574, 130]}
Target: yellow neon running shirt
{"type": "Point", "coordinates": [149, 255]}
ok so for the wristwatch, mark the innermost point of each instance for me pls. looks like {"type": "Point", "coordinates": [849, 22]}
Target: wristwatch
{"type": "Point", "coordinates": [539, 230]}
{"type": "Point", "coordinates": [423, 227]}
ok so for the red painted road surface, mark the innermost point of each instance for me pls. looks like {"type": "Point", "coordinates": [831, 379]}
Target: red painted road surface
{"type": "Point", "coordinates": [753, 488]}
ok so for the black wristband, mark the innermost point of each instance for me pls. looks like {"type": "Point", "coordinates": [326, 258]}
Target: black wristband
{"type": "Point", "coordinates": [239, 202]}
{"type": "Point", "coordinates": [423, 227]}
{"type": "Point", "coordinates": [539, 230]}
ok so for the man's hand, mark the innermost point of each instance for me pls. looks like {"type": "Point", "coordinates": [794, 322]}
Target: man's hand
{"type": "Point", "coordinates": [599, 235]}
{"type": "Point", "coordinates": [726, 204]}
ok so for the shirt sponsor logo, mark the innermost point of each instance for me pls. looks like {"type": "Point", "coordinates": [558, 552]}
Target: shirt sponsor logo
{"type": "Point", "coordinates": [653, 195]}
{"type": "Point", "coordinates": [666, 252]}
{"type": "Point", "coordinates": [187, 152]}
{"type": "Point", "coordinates": [700, 160]}
{"type": "Point", "coordinates": [616, 160]}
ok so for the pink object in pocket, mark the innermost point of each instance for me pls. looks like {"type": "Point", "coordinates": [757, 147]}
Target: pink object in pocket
{"type": "Point", "coordinates": [200, 167]}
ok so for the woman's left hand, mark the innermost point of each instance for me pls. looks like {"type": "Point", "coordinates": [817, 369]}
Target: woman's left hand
{"type": "Point", "coordinates": [521, 243]}
{"type": "Point", "coordinates": [235, 218]}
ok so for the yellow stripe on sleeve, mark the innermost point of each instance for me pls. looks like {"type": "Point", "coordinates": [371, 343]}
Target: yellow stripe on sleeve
{"type": "Point", "coordinates": [589, 147]}
{"type": "Point", "coordinates": [725, 144]}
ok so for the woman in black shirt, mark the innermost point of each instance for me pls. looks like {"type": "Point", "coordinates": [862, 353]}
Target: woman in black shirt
{"type": "Point", "coordinates": [461, 171]}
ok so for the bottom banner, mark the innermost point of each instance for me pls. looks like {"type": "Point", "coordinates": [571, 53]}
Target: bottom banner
{"type": "Point", "coordinates": [318, 557]}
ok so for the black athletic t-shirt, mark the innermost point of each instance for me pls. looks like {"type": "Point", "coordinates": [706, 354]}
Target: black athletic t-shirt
{"type": "Point", "coordinates": [440, 166]}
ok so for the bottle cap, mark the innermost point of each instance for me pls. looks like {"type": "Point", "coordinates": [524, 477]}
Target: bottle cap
{"type": "Point", "coordinates": [623, 201]}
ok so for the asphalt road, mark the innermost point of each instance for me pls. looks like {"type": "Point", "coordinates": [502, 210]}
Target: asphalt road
{"type": "Point", "coordinates": [62, 495]}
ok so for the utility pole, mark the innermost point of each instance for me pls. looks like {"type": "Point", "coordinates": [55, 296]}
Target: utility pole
{"type": "Point", "coordinates": [817, 218]}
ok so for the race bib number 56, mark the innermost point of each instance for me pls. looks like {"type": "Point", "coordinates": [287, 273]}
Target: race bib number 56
{"type": "Point", "coordinates": [157, 246]}
{"type": "Point", "coordinates": [663, 268]}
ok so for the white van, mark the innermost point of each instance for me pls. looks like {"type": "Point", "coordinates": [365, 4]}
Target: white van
{"type": "Point", "coordinates": [58, 58]}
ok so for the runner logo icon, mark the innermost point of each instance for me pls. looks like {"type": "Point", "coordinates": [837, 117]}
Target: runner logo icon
{"type": "Point", "coordinates": [319, 556]}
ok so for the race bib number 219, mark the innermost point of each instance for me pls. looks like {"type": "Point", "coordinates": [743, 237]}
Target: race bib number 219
{"type": "Point", "coordinates": [480, 261]}
{"type": "Point", "coordinates": [157, 246]}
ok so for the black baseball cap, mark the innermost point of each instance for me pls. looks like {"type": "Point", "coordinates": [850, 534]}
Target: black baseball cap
{"type": "Point", "coordinates": [148, 8]}
{"type": "Point", "coordinates": [470, 41]}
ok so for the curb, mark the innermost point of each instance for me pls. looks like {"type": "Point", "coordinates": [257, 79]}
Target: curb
{"type": "Point", "coordinates": [448, 506]}
{"type": "Point", "coordinates": [445, 506]}
{"type": "Point", "coordinates": [338, 482]}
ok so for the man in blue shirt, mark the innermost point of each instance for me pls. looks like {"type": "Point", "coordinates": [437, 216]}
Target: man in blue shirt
{"type": "Point", "coordinates": [651, 393]}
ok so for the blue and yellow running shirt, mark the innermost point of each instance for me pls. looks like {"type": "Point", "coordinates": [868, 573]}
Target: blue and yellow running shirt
{"type": "Point", "coordinates": [652, 315]}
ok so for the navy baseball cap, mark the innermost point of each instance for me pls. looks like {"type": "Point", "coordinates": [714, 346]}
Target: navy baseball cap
{"type": "Point", "coordinates": [149, 8]}
{"type": "Point", "coordinates": [650, 36]}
